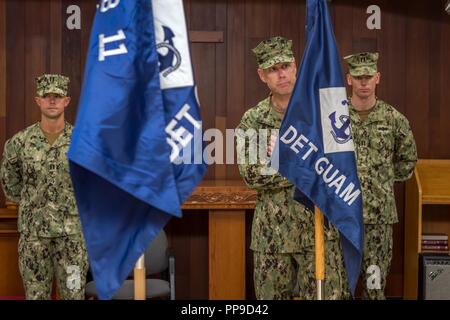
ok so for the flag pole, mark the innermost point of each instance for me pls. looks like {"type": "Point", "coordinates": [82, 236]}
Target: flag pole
{"type": "Point", "coordinates": [320, 253]}
{"type": "Point", "coordinates": [139, 279]}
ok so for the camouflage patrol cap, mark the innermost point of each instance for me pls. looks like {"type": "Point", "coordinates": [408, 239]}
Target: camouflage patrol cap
{"type": "Point", "coordinates": [362, 64]}
{"type": "Point", "coordinates": [272, 51]}
{"type": "Point", "coordinates": [52, 83]}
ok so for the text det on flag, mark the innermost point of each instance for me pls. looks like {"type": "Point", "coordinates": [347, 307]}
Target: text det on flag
{"type": "Point", "coordinates": [137, 117]}
{"type": "Point", "coordinates": [316, 150]}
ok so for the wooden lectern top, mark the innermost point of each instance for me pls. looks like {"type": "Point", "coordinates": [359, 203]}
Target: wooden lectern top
{"type": "Point", "coordinates": [434, 180]}
{"type": "Point", "coordinates": [209, 194]}
{"type": "Point", "coordinates": [221, 194]}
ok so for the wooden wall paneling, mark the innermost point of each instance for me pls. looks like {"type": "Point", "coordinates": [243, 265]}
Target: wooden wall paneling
{"type": "Point", "coordinates": [275, 16]}
{"type": "Point", "coordinates": [2, 82]}
{"type": "Point", "coordinates": [392, 47]}
{"type": "Point", "coordinates": [179, 238]}
{"type": "Point", "coordinates": [2, 67]}
{"type": "Point", "coordinates": [37, 53]}
{"type": "Point", "coordinates": [88, 10]}
{"type": "Point", "coordinates": [280, 18]}
{"type": "Point", "coordinates": [417, 76]}
{"type": "Point", "coordinates": [220, 168]}
{"type": "Point", "coordinates": [221, 85]}
{"type": "Point", "coordinates": [56, 21]}
{"type": "Point", "coordinates": [198, 253]}
{"type": "Point", "coordinates": [202, 17]}
{"type": "Point", "coordinates": [435, 68]}
{"type": "Point", "coordinates": [444, 81]}
{"type": "Point", "coordinates": [343, 26]}
{"type": "Point", "coordinates": [15, 67]}
{"type": "Point", "coordinates": [206, 36]}
{"type": "Point", "coordinates": [236, 46]}
{"type": "Point", "coordinates": [14, 38]}
{"type": "Point", "coordinates": [206, 94]}
{"type": "Point", "coordinates": [292, 26]}
{"type": "Point", "coordinates": [255, 32]}
{"type": "Point", "coordinates": [203, 58]}
{"type": "Point", "coordinates": [343, 29]}
{"type": "Point", "coordinates": [384, 58]}
{"type": "Point", "coordinates": [71, 61]}
{"type": "Point", "coordinates": [189, 240]}
{"type": "Point", "coordinates": [363, 38]}
{"type": "Point", "coordinates": [10, 279]}
{"type": "Point", "coordinates": [187, 13]}
{"type": "Point", "coordinates": [257, 18]}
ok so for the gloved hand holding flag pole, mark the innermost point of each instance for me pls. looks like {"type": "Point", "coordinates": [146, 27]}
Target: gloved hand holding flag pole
{"type": "Point", "coordinates": [316, 150]}
{"type": "Point", "coordinates": [137, 117]}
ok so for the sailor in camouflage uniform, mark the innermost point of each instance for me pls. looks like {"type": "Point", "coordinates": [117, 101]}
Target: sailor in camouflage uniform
{"type": "Point", "coordinates": [35, 174]}
{"type": "Point", "coordinates": [282, 237]}
{"type": "Point", "coordinates": [385, 152]}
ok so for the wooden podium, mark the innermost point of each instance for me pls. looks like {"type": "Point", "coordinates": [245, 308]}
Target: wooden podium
{"type": "Point", "coordinates": [226, 202]}
{"type": "Point", "coordinates": [429, 185]}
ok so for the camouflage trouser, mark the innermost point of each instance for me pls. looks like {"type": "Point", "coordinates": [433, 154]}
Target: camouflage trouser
{"type": "Point", "coordinates": [376, 259]}
{"type": "Point", "coordinates": [41, 259]}
{"type": "Point", "coordinates": [276, 275]}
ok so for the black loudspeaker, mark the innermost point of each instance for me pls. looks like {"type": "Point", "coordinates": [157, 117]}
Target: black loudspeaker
{"type": "Point", "coordinates": [435, 280]}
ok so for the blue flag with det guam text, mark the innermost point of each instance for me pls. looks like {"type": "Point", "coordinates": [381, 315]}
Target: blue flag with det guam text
{"type": "Point", "coordinates": [137, 117]}
{"type": "Point", "coordinates": [316, 150]}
